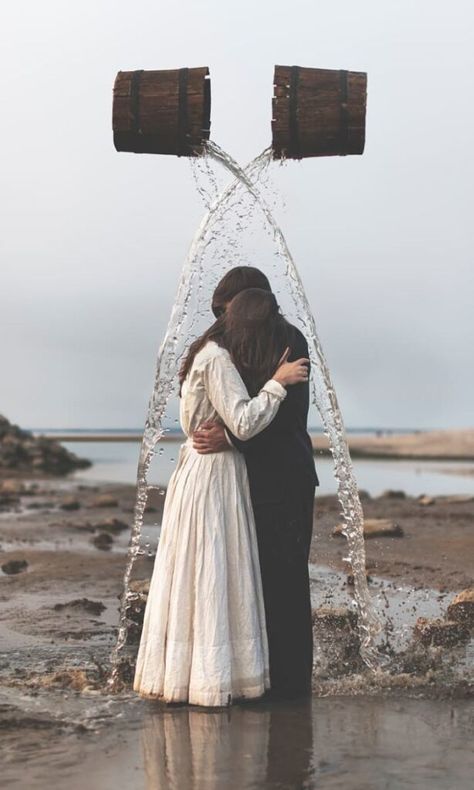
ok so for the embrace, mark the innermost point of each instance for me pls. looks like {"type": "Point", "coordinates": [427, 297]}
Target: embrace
{"type": "Point", "coordinates": [228, 615]}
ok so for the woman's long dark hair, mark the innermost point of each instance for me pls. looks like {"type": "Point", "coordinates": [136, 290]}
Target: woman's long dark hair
{"type": "Point", "coordinates": [254, 332]}
{"type": "Point", "coordinates": [238, 279]}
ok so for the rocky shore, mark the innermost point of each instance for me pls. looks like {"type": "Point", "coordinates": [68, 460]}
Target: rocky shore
{"type": "Point", "coordinates": [21, 453]}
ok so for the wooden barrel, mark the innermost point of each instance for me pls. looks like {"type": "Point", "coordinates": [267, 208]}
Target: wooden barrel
{"type": "Point", "coordinates": [318, 112]}
{"type": "Point", "coordinates": [162, 112]}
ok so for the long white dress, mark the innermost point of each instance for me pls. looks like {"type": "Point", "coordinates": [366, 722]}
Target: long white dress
{"type": "Point", "coordinates": [204, 638]}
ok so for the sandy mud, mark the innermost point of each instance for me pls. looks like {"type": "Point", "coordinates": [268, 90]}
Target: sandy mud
{"type": "Point", "coordinates": [62, 558]}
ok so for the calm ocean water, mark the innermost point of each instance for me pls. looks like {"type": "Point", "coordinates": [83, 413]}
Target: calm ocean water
{"type": "Point", "coordinates": [117, 462]}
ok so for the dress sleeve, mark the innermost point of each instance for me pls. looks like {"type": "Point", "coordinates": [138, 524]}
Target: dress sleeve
{"type": "Point", "coordinates": [243, 415]}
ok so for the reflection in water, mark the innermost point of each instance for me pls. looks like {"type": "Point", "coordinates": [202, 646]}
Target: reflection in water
{"type": "Point", "coordinates": [339, 743]}
{"type": "Point", "coordinates": [253, 745]}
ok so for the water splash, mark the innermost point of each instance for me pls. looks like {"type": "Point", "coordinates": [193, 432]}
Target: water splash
{"type": "Point", "coordinates": [325, 400]}
{"type": "Point", "coordinates": [165, 380]}
{"type": "Point", "coordinates": [324, 396]}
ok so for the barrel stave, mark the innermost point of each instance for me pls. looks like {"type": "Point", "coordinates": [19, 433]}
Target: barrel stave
{"type": "Point", "coordinates": [318, 112]}
{"type": "Point", "coordinates": [166, 112]}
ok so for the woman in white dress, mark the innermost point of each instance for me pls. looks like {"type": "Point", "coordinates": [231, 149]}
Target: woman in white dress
{"type": "Point", "coordinates": [204, 638]}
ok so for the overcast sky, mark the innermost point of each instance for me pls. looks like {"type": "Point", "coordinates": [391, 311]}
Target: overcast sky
{"type": "Point", "coordinates": [93, 241]}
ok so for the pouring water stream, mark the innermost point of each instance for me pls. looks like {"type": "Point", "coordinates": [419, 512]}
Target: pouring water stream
{"type": "Point", "coordinates": [323, 394]}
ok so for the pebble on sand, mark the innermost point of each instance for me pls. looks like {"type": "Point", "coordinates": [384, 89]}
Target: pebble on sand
{"type": "Point", "coordinates": [334, 617]}
{"type": "Point", "coordinates": [391, 493]}
{"type": "Point", "coordinates": [141, 586]}
{"type": "Point", "coordinates": [103, 541]}
{"type": "Point", "coordinates": [335, 633]}
{"type": "Point", "coordinates": [375, 528]}
{"type": "Point", "coordinates": [135, 609]}
{"type": "Point", "coordinates": [438, 632]}
{"type": "Point", "coordinates": [92, 607]}
{"type": "Point", "coordinates": [14, 566]}
{"type": "Point", "coordinates": [461, 608]}
{"type": "Point", "coordinates": [111, 525]}
{"type": "Point", "coordinates": [70, 503]}
{"type": "Point", "coordinates": [426, 500]}
{"type": "Point", "coordinates": [104, 500]}
{"type": "Point", "coordinates": [11, 487]}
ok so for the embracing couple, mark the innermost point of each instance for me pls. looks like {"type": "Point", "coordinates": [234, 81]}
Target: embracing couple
{"type": "Point", "coordinates": [228, 614]}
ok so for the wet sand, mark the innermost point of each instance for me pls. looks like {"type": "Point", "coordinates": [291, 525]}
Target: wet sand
{"type": "Point", "coordinates": [436, 549]}
{"type": "Point", "coordinates": [58, 623]}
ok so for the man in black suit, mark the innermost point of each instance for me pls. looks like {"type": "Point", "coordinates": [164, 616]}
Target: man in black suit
{"type": "Point", "coordinates": [282, 481]}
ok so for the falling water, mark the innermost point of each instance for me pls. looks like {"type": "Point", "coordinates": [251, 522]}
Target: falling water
{"type": "Point", "coordinates": [324, 396]}
{"type": "Point", "coordinates": [165, 379]}
{"type": "Point", "coordinates": [325, 400]}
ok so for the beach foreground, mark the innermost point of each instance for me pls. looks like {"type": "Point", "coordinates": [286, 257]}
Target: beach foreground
{"type": "Point", "coordinates": [62, 555]}
{"type": "Point", "coordinates": [61, 541]}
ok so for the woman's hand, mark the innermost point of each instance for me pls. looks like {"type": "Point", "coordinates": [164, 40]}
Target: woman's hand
{"type": "Point", "coordinates": [289, 373]}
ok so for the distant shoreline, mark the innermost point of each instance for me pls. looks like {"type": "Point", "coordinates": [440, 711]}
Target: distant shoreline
{"type": "Point", "coordinates": [452, 445]}
{"type": "Point", "coordinates": [448, 445]}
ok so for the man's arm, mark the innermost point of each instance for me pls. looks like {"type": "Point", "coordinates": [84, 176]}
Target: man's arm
{"type": "Point", "coordinates": [211, 437]}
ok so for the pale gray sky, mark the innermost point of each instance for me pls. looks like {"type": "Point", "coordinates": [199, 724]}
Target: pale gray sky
{"type": "Point", "coordinates": [93, 241]}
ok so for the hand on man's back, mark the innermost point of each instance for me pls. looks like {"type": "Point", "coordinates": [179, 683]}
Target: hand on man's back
{"type": "Point", "coordinates": [210, 438]}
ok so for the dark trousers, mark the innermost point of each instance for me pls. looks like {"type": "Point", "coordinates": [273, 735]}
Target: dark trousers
{"type": "Point", "coordinates": [284, 532]}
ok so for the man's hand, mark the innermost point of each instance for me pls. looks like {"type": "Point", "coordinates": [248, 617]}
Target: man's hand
{"type": "Point", "coordinates": [210, 438]}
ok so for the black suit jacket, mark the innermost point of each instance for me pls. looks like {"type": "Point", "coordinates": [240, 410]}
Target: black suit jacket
{"type": "Point", "coordinates": [280, 460]}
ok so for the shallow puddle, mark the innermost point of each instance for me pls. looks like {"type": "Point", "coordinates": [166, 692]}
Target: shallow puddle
{"type": "Point", "coordinates": [343, 742]}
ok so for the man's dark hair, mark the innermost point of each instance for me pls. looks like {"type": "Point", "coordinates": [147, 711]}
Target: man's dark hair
{"type": "Point", "coordinates": [236, 280]}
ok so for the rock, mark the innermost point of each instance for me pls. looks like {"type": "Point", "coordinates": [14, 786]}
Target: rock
{"type": "Point", "coordinates": [141, 586]}
{"type": "Point", "coordinates": [104, 500]}
{"type": "Point", "coordinates": [391, 493]}
{"type": "Point", "coordinates": [14, 566]}
{"type": "Point", "coordinates": [33, 490]}
{"type": "Point", "coordinates": [21, 451]}
{"type": "Point", "coordinates": [124, 672]}
{"type": "Point", "coordinates": [75, 679]}
{"type": "Point", "coordinates": [364, 495]}
{"type": "Point", "coordinates": [134, 632]}
{"type": "Point", "coordinates": [111, 525]}
{"type": "Point", "coordinates": [382, 527]}
{"type": "Point", "coordinates": [461, 609]}
{"type": "Point", "coordinates": [375, 528]}
{"type": "Point", "coordinates": [92, 607]}
{"type": "Point", "coordinates": [7, 501]}
{"type": "Point", "coordinates": [14, 488]}
{"type": "Point", "coordinates": [336, 641]}
{"type": "Point", "coordinates": [426, 500]}
{"type": "Point", "coordinates": [135, 609]}
{"type": "Point", "coordinates": [40, 505]}
{"type": "Point", "coordinates": [437, 632]}
{"type": "Point", "coordinates": [70, 503]}
{"type": "Point", "coordinates": [103, 541]}
{"type": "Point", "coordinates": [334, 617]}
